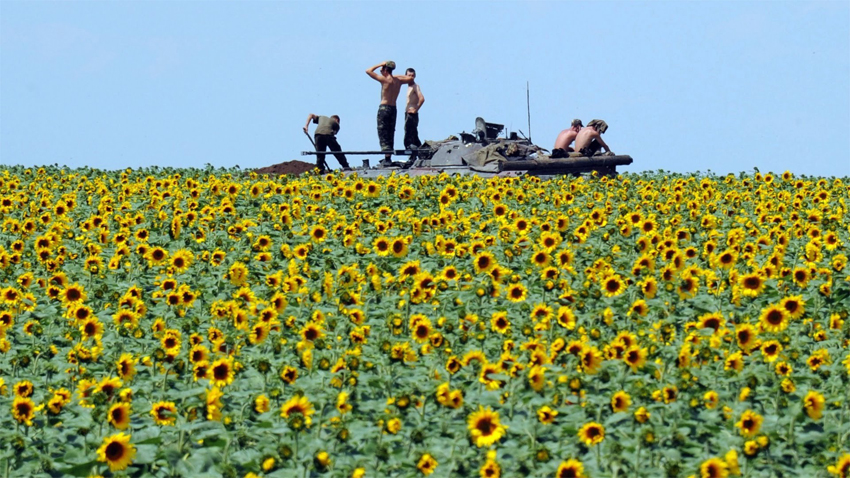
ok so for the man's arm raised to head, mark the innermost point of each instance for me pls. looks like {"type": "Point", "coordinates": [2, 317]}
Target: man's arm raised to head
{"type": "Point", "coordinates": [375, 76]}
{"type": "Point", "coordinates": [404, 79]}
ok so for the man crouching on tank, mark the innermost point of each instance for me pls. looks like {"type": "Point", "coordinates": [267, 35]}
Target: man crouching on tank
{"type": "Point", "coordinates": [589, 140]}
{"type": "Point", "coordinates": [564, 140]}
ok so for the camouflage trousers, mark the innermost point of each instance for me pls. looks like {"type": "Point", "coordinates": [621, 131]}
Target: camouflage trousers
{"type": "Point", "coordinates": [386, 126]}
{"type": "Point", "coordinates": [411, 130]}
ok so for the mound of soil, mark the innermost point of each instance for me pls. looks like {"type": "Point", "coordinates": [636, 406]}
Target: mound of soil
{"type": "Point", "coordinates": [294, 168]}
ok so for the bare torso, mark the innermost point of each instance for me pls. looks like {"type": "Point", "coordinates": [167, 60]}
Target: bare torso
{"type": "Point", "coordinates": [565, 138]}
{"type": "Point", "coordinates": [412, 98]}
{"type": "Point", "coordinates": [390, 87]}
{"type": "Point", "coordinates": [585, 136]}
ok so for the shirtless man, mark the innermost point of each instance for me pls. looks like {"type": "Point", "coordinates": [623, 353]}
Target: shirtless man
{"type": "Point", "coordinates": [415, 100]}
{"type": "Point", "coordinates": [589, 140]}
{"type": "Point", "coordinates": [387, 113]}
{"type": "Point", "coordinates": [565, 138]}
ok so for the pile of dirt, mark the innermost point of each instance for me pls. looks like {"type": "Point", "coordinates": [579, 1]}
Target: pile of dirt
{"type": "Point", "coordinates": [294, 168]}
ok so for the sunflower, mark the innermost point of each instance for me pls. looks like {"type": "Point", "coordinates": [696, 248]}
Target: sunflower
{"type": "Point", "coordinates": [238, 274]}
{"type": "Point", "coordinates": [516, 293]}
{"type": "Point", "coordinates": [398, 247]}
{"type": "Point", "coordinates": [802, 276]}
{"type": "Point", "coordinates": [750, 423]}
{"type": "Point", "coordinates": [164, 413]}
{"type": "Point", "coordinates": [795, 306]}
{"type": "Point", "coordinates": [711, 399]}
{"type": "Point", "coordinates": [298, 407]}
{"type": "Point", "coordinates": [311, 332]}
{"type": "Point", "coordinates": [23, 389]}
{"type": "Point", "coordinates": [734, 362]}
{"type": "Point", "coordinates": [126, 366]}
{"type": "Point", "coordinates": [157, 256]}
{"type": "Point", "coordinates": [24, 409]}
{"type": "Point", "coordinates": [714, 468]}
{"type": "Point", "coordinates": [318, 233]}
{"type": "Point", "coordinates": [199, 353]}
{"type": "Point", "coordinates": [571, 468]}
{"type": "Point", "coordinates": [639, 307]}
{"type": "Point", "coordinates": [613, 286]}
{"type": "Point", "coordinates": [108, 386]}
{"type": "Point", "coordinates": [484, 427]}
{"type": "Point", "coordinates": [222, 372]}
{"type": "Point", "coordinates": [649, 287]}
{"type": "Point", "coordinates": [541, 259]}
{"type": "Point", "coordinates": [635, 357]}
{"type": "Point", "coordinates": [421, 330]}
{"type": "Point", "coordinates": [116, 451]}
{"type": "Point", "coordinates": [122, 318]}
{"type": "Point", "coordinates": [669, 393]}
{"type": "Point", "coordinates": [119, 415]}
{"type": "Point", "coordinates": [499, 322]}
{"type": "Point", "coordinates": [382, 246]}
{"type": "Point", "coordinates": [73, 294]}
{"type": "Point", "coordinates": [782, 369]}
{"type": "Point", "coordinates": [726, 259]}
{"type": "Point", "coordinates": [712, 320]}
{"type": "Point", "coordinates": [546, 415]}
{"type": "Point", "coordinates": [774, 318]}
{"type": "Point", "coordinates": [771, 350]}
{"type": "Point", "coordinates": [688, 287]}
{"type": "Point", "coordinates": [483, 262]}
{"type": "Point", "coordinates": [541, 312]}
{"type": "Point", "coordinates": [566, 317]}
{"type": "Point", "coordinates": [591, 433]}
{"type": "Point", "coordinates": [841, 467]}
{"type": "Point", "coordinates": [620, 402]}
{"type": "Point", "coordinates": [752, 284]}
{"type": "Point", "coordinates": [814, 404]}
{"type": "Point", "coordinates": [590, 358]}
{"type": "Point", "coordinates": [537, 378]}
{"type": "Point", "coordinates": [747, 337]}
{"type": "Point", "coordinates": [289, 374]}
{"type": "Point", "coordinates": [181, 260]}
{"type": "Point", "coordinates": [818, 358]}
{"type": "Point", "coordinates": [426, 464]}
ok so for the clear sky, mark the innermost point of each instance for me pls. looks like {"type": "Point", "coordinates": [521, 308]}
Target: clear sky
{"type": "Point", "coordinates": [684, 86]}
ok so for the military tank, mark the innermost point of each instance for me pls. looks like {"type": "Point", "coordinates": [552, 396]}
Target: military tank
{"type": "Point", "coordinates": [485, 152]}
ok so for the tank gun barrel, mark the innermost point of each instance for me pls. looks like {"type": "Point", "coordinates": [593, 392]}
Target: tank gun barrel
{"type": "Point", "coordinates": [395, 152]}
{"type": "Point", "coordinates": [566, 164]}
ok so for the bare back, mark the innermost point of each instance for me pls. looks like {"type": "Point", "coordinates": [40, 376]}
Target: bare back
{"type": "Point", "coordinates": [390, 87]}
{"type": "Point", "coordinates": [585, 136]}
{"type": "Point", "coordinates": [565, 138]}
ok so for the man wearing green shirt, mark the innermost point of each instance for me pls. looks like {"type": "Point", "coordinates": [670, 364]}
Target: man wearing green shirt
{"type": "Point", "coordinates": [325, 137]}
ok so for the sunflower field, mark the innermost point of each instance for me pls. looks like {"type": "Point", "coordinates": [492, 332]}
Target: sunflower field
{"type": "Point", "coordinates": [212, 322]}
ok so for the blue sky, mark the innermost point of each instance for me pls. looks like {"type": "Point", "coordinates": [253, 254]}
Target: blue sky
{"type": "Point", "coordinates": [684, 86]}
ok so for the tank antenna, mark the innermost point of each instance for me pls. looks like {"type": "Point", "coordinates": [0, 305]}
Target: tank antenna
{"type": "Point", "coordinates": [528, 106]}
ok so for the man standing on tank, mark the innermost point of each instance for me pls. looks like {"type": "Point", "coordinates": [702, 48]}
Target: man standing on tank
{"type": "Point", "coordinates": [387, 112]}
{"type": "Point", "coordinates": [415, 100]}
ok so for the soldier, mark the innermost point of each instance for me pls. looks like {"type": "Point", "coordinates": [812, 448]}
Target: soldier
{"type": "Point", "coordinates": [589, 140]}
{"type": "Point", "coordinates": [325, 137]}
{"type": "Point", "coordinates": [415, 100]}
{"type": "Point", "coordinates": [565, 138]}
{"type": "Point", "coordinates": [387, 112]}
